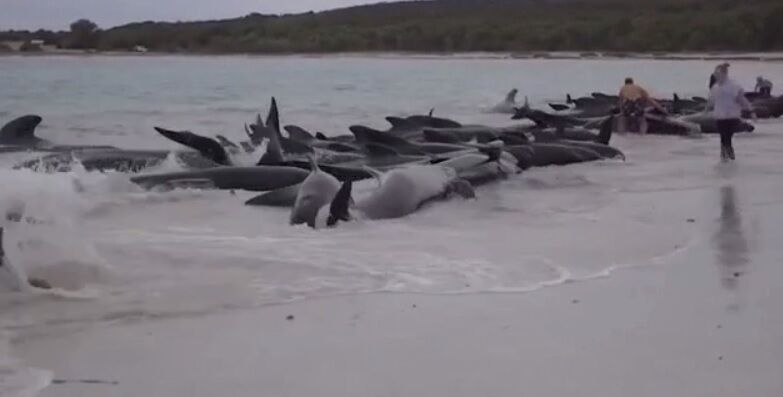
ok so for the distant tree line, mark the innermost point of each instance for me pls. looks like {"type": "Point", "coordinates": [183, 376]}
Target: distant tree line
{"type": "Point", "coordinates": [459, 26]}
{"type": "Point", "coordinates": [84, 34]}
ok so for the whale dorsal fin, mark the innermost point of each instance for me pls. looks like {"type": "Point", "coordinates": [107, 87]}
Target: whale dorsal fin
{"type": "Point", "coordinates": [20, 128]}
{"type": "Point", "coordinates": [298, 133]}
{"type": "Point", "coordinates": [432, 111]}
{"type": "Point", "coordinates": [399, 123]}
{"type": "Point", "coordinates": [321, 136]}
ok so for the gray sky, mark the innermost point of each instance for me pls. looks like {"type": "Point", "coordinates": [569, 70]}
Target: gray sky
{"type": "Point", "coordinates": [58, 14]}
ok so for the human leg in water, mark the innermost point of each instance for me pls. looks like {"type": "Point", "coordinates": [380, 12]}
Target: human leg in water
{"type": "Point", "coordinates": [643, 125]}
{"type": "Point", "coordinates": [726, 129]}
{"type": "Point", "coordinates": [622, 124]}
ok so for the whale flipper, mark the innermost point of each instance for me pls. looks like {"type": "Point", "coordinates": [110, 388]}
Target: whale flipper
{"type": "Point", "coordinates": [225, 142]}
{"type": "Point", "coordinates": [208, 147]}
{"type": "Point", "coordinates": [247, 146]}
{"type": "Point", "coordinates": [283, 197]}
{"type": "Point", "coordinates": [339, 209]}
{"type": "Point", "coordinates": [605, 133]}
{"type": "Point", "coordinates": [21, 130]}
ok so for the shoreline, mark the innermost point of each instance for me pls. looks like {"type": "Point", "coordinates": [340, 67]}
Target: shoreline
{"type": "Point", "coordinates": [533, 55]}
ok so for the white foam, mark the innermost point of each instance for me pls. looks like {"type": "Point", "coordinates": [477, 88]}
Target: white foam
{"type": "Point", "coordinates": [16, 379]}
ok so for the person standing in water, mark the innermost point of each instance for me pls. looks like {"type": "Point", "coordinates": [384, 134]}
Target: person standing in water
{"type": "Point", "coordinates": [633, 101]}
{"type": "Point", "coordinates": [713, 76]}
{"type": "Point", "coordinates": [727, 100]}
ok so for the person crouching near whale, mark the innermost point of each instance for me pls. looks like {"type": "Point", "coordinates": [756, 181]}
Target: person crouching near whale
{"type": "Point", "coordinates": [727, 100]}
{"type": "Point", "coordinates": [633, 102]}
{"type": "Point", "coordinates": [763, 87]}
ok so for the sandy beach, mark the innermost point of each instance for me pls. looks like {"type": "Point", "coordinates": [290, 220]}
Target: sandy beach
{"type": "Point", "coordinates": [697, 324]}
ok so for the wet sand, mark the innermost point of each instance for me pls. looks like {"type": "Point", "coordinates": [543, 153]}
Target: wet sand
{"type": "Point", "coordinates": [706, 323]}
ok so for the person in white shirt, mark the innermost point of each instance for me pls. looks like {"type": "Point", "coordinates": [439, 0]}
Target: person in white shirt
{"type": "Point", "coordinates": [713, 76]}
{"type": "Point", "coordinates": [727, 100]}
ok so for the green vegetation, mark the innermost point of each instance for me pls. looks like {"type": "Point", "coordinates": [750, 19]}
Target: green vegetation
{"type": "Point", "coordinates": [84, 34]}
{"type": "Point", "coordinates": [462, 25]}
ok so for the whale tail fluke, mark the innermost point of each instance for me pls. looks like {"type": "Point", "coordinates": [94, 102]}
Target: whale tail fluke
{"type": "Point", "coordinates": [271, 131]}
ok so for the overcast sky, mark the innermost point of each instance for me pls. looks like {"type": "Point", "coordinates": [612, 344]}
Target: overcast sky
{"type": "Point", "coordinates": [58, 14]}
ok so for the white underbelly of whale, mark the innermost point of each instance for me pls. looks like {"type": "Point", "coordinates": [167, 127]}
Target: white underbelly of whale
{"type": "Point", "coordinates": [403, 191]}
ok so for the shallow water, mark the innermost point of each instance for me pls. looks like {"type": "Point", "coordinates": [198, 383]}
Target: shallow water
{"type": "Point", "coordinates": [123, 254]}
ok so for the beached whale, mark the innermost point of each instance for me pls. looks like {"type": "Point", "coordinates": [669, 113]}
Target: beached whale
{"type": "Point", "coordinates": [708, 124]}
{"type": "Point", "coordinates": [256, 179]}
{"type": "Point", "coordinates": [18, 135]}
{"type": "Point", "coordinates": [317, 191]}
{"type": "Point", "coordinates": [400, 192]}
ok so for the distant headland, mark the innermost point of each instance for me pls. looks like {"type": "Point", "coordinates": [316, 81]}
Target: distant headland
{"type": "Point", "coordinates": [523, 27]}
